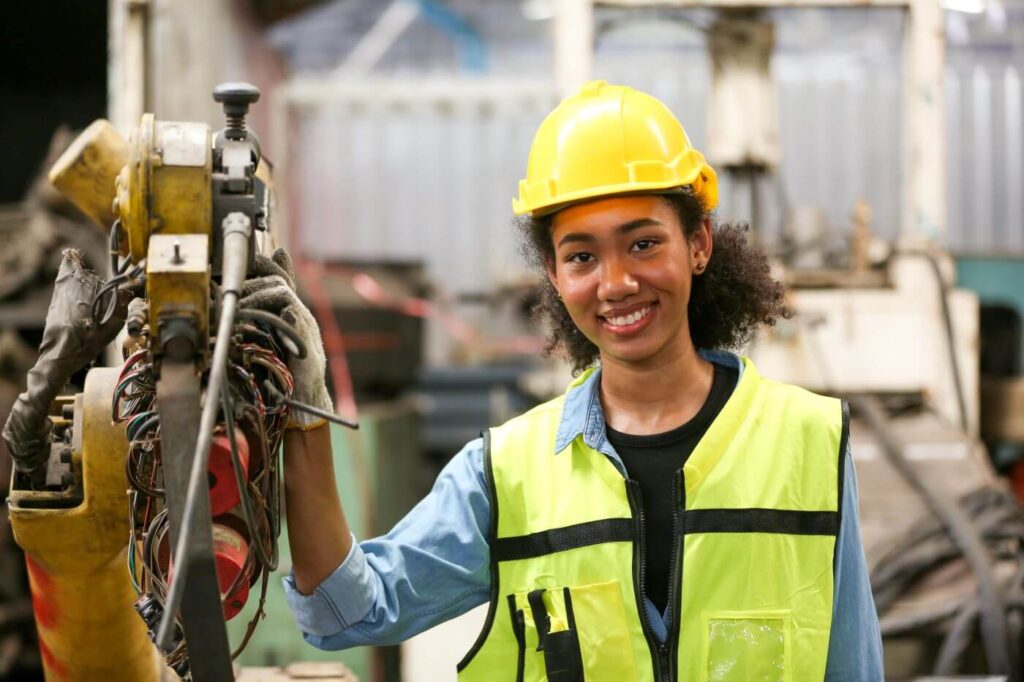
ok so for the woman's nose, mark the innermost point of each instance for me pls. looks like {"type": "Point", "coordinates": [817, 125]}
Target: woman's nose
{"type": "Point", "coordinates": [617, 282]}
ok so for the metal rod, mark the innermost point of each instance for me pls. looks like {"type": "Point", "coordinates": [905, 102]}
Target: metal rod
{"type": "Point", "coordinates": [296, 405]}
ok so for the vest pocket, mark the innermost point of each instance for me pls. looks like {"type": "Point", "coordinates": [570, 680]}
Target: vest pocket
{"type": "Point", "coordinates": [572, 634]}
{"type": "Point", "coordinates": [747, 645]}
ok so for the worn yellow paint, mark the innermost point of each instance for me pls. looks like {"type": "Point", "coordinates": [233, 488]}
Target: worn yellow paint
{"type": "Point", "coordinates": [158, 193]}
{"type": "Point", "coordinates": [87, 170]}
{"type": "Point", "coordinates": [88, 629]}
{"type": "Point", "coordinates": [179, 286]}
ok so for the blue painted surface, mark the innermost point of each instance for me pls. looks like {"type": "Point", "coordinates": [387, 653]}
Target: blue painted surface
{"type": "Point", "coordinates": [995, 280]}
{"type": "Point", "coordinates": [469, 44]}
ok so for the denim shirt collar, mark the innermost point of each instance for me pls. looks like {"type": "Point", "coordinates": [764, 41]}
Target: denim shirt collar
{"type": "Point", "coordinates": [582, 414]}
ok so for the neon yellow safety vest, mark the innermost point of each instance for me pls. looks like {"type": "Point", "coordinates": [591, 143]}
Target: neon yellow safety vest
{"type": "Point", "coordinates": [757, 519]}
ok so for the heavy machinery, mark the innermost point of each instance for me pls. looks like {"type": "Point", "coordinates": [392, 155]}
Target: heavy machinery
{"type": "Point", "coordinates": [190, 425]}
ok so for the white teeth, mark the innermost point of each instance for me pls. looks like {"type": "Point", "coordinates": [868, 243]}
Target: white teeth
{"type": "Point", "coordinates": [631, 318]}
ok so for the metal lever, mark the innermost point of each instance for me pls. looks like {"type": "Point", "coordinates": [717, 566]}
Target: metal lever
{"type": "Point", "coordinates": [296, 405]}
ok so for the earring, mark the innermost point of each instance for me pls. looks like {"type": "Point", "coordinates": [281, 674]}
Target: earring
{"type": "Point", "coordinates": [699, 267]}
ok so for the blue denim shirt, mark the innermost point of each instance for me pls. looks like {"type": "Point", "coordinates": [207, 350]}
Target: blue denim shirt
{"type": "Point", "coordinates": [435, 563]}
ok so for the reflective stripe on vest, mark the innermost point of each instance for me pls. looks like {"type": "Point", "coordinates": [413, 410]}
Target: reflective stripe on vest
{"type": "Point", "coordinates": [757, 518]}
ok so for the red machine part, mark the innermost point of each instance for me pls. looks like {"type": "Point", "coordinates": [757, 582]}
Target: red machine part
{"type": "Point", "coordinates": [230, 548]}
{"type": "Point", "coordinates": [223, 490]}
{"type": "Point", "coordinates": [1017, 480]}
{"type": "Point", "coordinates": [229, 551]}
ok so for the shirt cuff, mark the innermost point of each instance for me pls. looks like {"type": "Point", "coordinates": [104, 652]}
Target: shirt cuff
{"type": "Point", "coordinates": [342, 599]}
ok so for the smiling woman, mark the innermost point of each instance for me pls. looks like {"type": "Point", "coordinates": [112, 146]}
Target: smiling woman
{"type": "Point", "coordinates": [731, 294]}
{"type": "Point", "coordinates": [671, 516]}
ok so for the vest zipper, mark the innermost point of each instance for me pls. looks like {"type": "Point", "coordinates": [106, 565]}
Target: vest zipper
{"type": "Point", "coordinates": [659, 652]}
{"type": "Point", "coordinates": [676, 568]}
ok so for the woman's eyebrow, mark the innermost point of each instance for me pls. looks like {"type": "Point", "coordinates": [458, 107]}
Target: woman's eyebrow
{"type": "Point", "coordinates": [637, 224]}
{"type": "Point", "coordinates": [624, 228]}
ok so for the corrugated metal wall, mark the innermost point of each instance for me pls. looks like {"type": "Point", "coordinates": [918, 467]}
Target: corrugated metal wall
{"type": "Point", "coordinates": [431, 178]}
{"type": "Point", "coordinates": [985, 137]}
{"type": "Point", "coordinates": [414, 178]}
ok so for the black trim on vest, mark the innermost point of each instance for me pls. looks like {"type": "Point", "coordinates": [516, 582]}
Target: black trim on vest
{"type": "Point", "coordinates": [561, 539]}
{"type": "Point", "coordinates": [492, 535]}
{"type": "Point", "coordinates": [519, 630]}
{"type": "Point", "coordinates": [783, 521]}
{"type": "Point", "coordinates": [844, 441]}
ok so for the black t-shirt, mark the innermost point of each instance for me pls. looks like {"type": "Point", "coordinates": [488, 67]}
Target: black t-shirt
{"type": "Point", "coordinates": [652, 461]}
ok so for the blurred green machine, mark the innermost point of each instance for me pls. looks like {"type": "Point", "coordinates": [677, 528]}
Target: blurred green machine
{"type": "Point", "coordinates": [379, 480]}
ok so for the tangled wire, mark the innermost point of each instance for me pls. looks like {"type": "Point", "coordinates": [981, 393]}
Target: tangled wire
{"type": "Point", "coordinates": [254, 360]}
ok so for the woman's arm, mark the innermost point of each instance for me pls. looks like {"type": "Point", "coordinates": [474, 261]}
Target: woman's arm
{"type": "Point", "coordinates": [432, 566]}
{"type": "Point", "coordinates": [855, 647]}
{"type": "Point", "coordinates": [318, 532]}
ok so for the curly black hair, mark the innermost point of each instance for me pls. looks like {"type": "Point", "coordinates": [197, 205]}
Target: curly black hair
{"type": "Point", "coordinates": [728, 302]}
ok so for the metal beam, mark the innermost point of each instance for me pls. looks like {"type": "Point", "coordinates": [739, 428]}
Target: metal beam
{"type": "Point", "coordinates": [924, 124]}
{"type": "Point", "coordinates": [299, 93]}
{"type": "Point", "coordinates": [391, 24]}
{"type": "Point", "coordinates": [574, 44]}
{"type": "Point", "coordinates": [127, 68]}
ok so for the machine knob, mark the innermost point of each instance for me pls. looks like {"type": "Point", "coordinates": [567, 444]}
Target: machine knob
{"type": "Point", "coordinates": [235, 98]}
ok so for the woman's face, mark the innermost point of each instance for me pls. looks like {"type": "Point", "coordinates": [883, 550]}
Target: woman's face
{"type": "Point", "coordinates": [623, 267]}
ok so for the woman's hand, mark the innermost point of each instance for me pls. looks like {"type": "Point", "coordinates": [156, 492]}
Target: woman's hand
{"type": "Point", "coordinates": [273, 290]}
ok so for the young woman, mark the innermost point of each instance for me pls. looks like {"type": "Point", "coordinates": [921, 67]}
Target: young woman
{"type": "Point", "coordinates": [673, 515]}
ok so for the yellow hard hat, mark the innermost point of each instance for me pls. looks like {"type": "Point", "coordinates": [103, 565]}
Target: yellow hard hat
{"type": "Point", "coordinates": [610, 139]}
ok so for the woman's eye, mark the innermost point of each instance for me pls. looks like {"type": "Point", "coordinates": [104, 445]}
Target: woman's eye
{"type": "Point", "coordinates": [580, 258]}
{"type": "Point", "coordinates": [643, 244]}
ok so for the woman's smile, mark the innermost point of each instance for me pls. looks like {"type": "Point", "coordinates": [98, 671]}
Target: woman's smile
{"type": "Point", "coordinates": [629, 321]}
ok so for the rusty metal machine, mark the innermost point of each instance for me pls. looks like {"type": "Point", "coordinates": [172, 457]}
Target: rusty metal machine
{"type": "Point", "coordinates": [190, 426]}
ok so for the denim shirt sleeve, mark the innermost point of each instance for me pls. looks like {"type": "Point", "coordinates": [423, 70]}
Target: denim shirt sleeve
{"type": "Point", "coordinates": [434, 565]}
{"type": "Point", "coordinates": [855, 646]}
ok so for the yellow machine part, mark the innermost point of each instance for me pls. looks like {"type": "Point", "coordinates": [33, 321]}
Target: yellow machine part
{"type": "Point", "coordinates": [178, 284]}
{"type": "Point", "coordinates": [165, 186]}
{"type": "Point", "coordinates": [77, 556]}
{"type": "Point", "coordinates": [87, 170]}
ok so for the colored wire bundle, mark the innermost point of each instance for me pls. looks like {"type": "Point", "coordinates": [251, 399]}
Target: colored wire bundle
{"type": "Point", "coordinates": [254, 358]}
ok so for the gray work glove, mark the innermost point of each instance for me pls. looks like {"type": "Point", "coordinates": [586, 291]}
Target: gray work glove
{"type": "Point", "coordinates": [71, 340]}
{"type": "Point", "coordinates": [272, 288]}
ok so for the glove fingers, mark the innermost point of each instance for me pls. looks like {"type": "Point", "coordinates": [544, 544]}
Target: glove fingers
{"type": "Point", "coordinates": [290, 315]}
{"type": "Point", "coordinates": [267, 267]}
{"type": "Point", "coordinates": [284, 261]}
{"type": "Point", "coordinates": [272, 299]}
{"type": "Point", "coordinates": [251, 286]}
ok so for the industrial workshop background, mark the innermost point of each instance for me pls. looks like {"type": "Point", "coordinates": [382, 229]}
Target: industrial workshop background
{"type": "Point", "coordinates": [397, 131]}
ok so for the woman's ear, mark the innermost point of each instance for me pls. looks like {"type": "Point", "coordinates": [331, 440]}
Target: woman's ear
{"type": "Point", "coordinates": [701, 245]}
{"type": "Point", "coordinates": [549, 268]}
